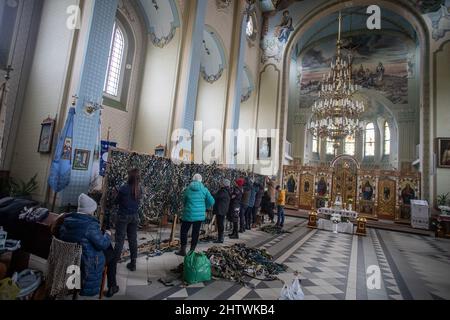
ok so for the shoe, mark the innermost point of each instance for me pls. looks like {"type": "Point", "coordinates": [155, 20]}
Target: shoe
{"type": "Point", "coordinates": [131, 266]}
{"type": "Point", "coordinates": [181, 252]}
{"type": "Point", "coordinates": [234, 236]}
{"type": "Point", "coordinates": [218, 241]}
{"type": "Point", "coordinates": [112, 291]}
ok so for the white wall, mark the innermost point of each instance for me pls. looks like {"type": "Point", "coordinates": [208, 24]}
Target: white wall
{"type": "Point", "coordinates": [157, 93]}
{"type": "Point", "coordinates": [443, 111]}
{"type": "Point", "coordinates": [44, 93]}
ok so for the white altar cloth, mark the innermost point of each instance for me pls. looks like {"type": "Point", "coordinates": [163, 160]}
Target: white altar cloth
{"type": "Point", "coordinates": [342, 227]}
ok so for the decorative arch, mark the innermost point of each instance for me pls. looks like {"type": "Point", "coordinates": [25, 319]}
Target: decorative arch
{"type": "Point", "coordinates": [213, 62]}
{"type": "Point", "coordinates": [416, 20]}
{"type": "Point", "coordinates": [162, 19]}
{"type": "Point", "coordinates": [345, 157]}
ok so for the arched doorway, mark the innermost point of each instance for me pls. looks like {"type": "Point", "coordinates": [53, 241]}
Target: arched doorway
{"type": "Point", "coordinates": [416, 21]}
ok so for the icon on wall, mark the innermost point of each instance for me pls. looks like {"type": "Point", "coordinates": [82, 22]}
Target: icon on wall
{"type": "Point", "coordinates": [81, 160]}
{"type": "Point", "coordinates": [46, 136]}
{"type": "Point", "coordinates": [264, 148]}
{"type": "Point", "coordinates": [443, 151]}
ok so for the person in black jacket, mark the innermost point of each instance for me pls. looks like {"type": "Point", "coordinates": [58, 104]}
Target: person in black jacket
{"type": "Point", "coordinates": [266, 206]}
{"type": "Point", "coordinates": [235, 207]}
{"type": "Point", "coordinates": [245, 201]}
{"type": "Point", "coordinates": [222, 204]}
{"type": "Point", "coordinates": [258, 199]}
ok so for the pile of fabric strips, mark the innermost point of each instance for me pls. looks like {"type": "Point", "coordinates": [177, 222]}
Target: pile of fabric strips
{"type": "Point", "coordinates": [235, 262]}
{"type": "Point", "coordinates": [273, 229]}
{"type": "Point", "coordinates": [162, 181]}
{"type": "Point", "coordinates": [34, 214]}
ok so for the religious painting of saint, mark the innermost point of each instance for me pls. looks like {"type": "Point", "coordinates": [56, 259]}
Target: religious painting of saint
{"type": "Point", "coordinates": [284, 29]}
{"type": "Point", "coordinates": [291, 185]}
{"type": "Point", "coordinates": [67, 150]}
{"type": "Point", "coordinates": [306, 187]}
{"type": "Point", "coordinates": [367, 191]}
{"type": "Point", "coordinates": [264, 148]}
{"type": "Point", "coordinates": [387, 193]}
{"type": "Point", "coordinates": [408, 194]}
{"type": "Point", "coordinates": [443, 145]}
{"type": "Point", "coordinates": [322, 187]}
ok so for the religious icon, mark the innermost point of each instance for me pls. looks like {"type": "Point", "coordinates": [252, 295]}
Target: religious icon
{"type": "Point", "coordinates": [284, 29]}
{"type": "Point", "coordinates": [81, 159]}
{"type": "Point", "coordinates": [443, 145]}
{"type": "Point", "coordinates": [387, 193]}
{"type": "Point", "coordinates": [367, 191]}
{"type": "Point", "coordinates": [306, 187]}
{"type": "Point", "coordinates": [322, 187]}
{"type": "Point", "coordinates": [46, 137]}
{"type": "Point", "coordinates": [408, 194]}
{"type": "Point", "coordinates": [264, 148]}
{"type": "Point", "coordinates": [67, 149]}
{"type": "Point", "coordinates": [291, 185]}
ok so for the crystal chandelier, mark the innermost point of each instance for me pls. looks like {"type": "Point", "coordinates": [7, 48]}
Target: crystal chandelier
{"type": "Point", "coordinates": [336, 113]}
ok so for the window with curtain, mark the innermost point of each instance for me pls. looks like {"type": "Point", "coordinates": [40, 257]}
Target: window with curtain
{"type": "Point", "coordinates": [387, 139]}
{"type": "Point", "coordinates": [330, 147]}
{"type": "Point", "coordinates": [115, 63]}
{"type": "Point", "coordinates": [349, 145]}
{"type": "Point", "coordinates": [315, 145]}
{"type": "Point", "coordinates": [369, 140]}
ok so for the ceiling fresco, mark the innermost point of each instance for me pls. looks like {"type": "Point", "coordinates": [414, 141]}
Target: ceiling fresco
{"type": "Point", "coordinates": [381, 62]}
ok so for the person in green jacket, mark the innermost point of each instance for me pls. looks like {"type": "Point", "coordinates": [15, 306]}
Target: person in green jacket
{"type": "Point", "coordinates": [197, 199]}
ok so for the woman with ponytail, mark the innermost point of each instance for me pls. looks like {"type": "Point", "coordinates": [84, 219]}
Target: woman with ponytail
{"type": "Point", "coordinates": [128, 199]}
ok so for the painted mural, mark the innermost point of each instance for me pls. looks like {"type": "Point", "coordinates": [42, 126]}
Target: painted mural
{"type": "Point", "coordinates": [440, 20]}
{"type": "Point", "coordinates": [274, 41]}
{"type": "Point", "coordinates": [380, 62]}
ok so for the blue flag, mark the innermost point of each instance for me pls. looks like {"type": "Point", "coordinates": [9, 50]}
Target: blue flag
{"type": "Point", "coordinates": [61, 168]}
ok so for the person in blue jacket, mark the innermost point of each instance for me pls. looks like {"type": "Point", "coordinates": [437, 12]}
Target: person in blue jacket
{"type": "Point", "coordinates": [83, 228]}
{"type": "Point", "coordinates": [196, 199]}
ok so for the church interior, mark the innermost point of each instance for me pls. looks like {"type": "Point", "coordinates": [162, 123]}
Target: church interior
{"type": "Point", "coordinates": [225, 149]}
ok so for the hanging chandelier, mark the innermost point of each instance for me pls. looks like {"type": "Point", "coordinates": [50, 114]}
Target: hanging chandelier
{"type": "Point", "coordinates": [336, 113]}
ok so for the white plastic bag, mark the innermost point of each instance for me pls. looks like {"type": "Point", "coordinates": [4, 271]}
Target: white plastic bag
{"type": "Point", "coordinates": [296, 290]}
{"type": "Point", "coordinates": [292, 292]}
{"type": "Point", "coordinates": [286, 293]}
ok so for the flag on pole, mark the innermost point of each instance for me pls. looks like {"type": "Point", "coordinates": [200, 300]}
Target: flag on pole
{"type": "Point", "coordinates": [61, 167]}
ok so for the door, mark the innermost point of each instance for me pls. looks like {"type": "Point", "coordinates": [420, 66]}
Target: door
{"type": "Point", "coordinates": [386, 198]}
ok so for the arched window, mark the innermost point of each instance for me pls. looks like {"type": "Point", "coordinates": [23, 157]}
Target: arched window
{"type": "Point", "coordinates": [315, 145]}
{"type": "Point", "coordinates": [330, 147]}
{"type": "Point", "coordinates": [387, 139]}
{"type": "Point", "coordinates": [369, 140]}
{"type": "Point", "coordinates": [114, 73]}
{"type": "Point", "coordinates": [349, 145]}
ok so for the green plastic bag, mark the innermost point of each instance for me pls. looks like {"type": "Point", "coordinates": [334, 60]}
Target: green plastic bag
{"type": "Point", "coordinates": [197, 268]}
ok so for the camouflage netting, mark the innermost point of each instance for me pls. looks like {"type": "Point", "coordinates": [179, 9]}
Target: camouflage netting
{"type": "Point", "coordinates": [162, 182]}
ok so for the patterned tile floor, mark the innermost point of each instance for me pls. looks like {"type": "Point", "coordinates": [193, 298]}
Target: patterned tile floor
{"type": "Point", "coordinates": [332, 267]}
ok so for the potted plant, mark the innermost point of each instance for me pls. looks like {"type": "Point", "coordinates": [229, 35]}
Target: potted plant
{"type": "Point", "coordinates": [24, 190]}
{"type": "Point", "coordinates": [443, 202]}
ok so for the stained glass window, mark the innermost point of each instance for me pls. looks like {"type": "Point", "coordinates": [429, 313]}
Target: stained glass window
{"type": "Point", "coordinates": [349, 146]}
{"type": "Point", "coordinates": [116, 57]}
{"type": "Point", "coordinates": [387, 139]}
{"type": "Point", "coordinates": [369, 140]}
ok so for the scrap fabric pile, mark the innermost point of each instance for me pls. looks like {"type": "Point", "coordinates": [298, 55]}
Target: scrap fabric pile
{"type": "Point", "coordinates": [273, 229]}
{"type": "Point", "coordinates": [236, 262]}
{"type": "Point", "coordinates": [162, 181]}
